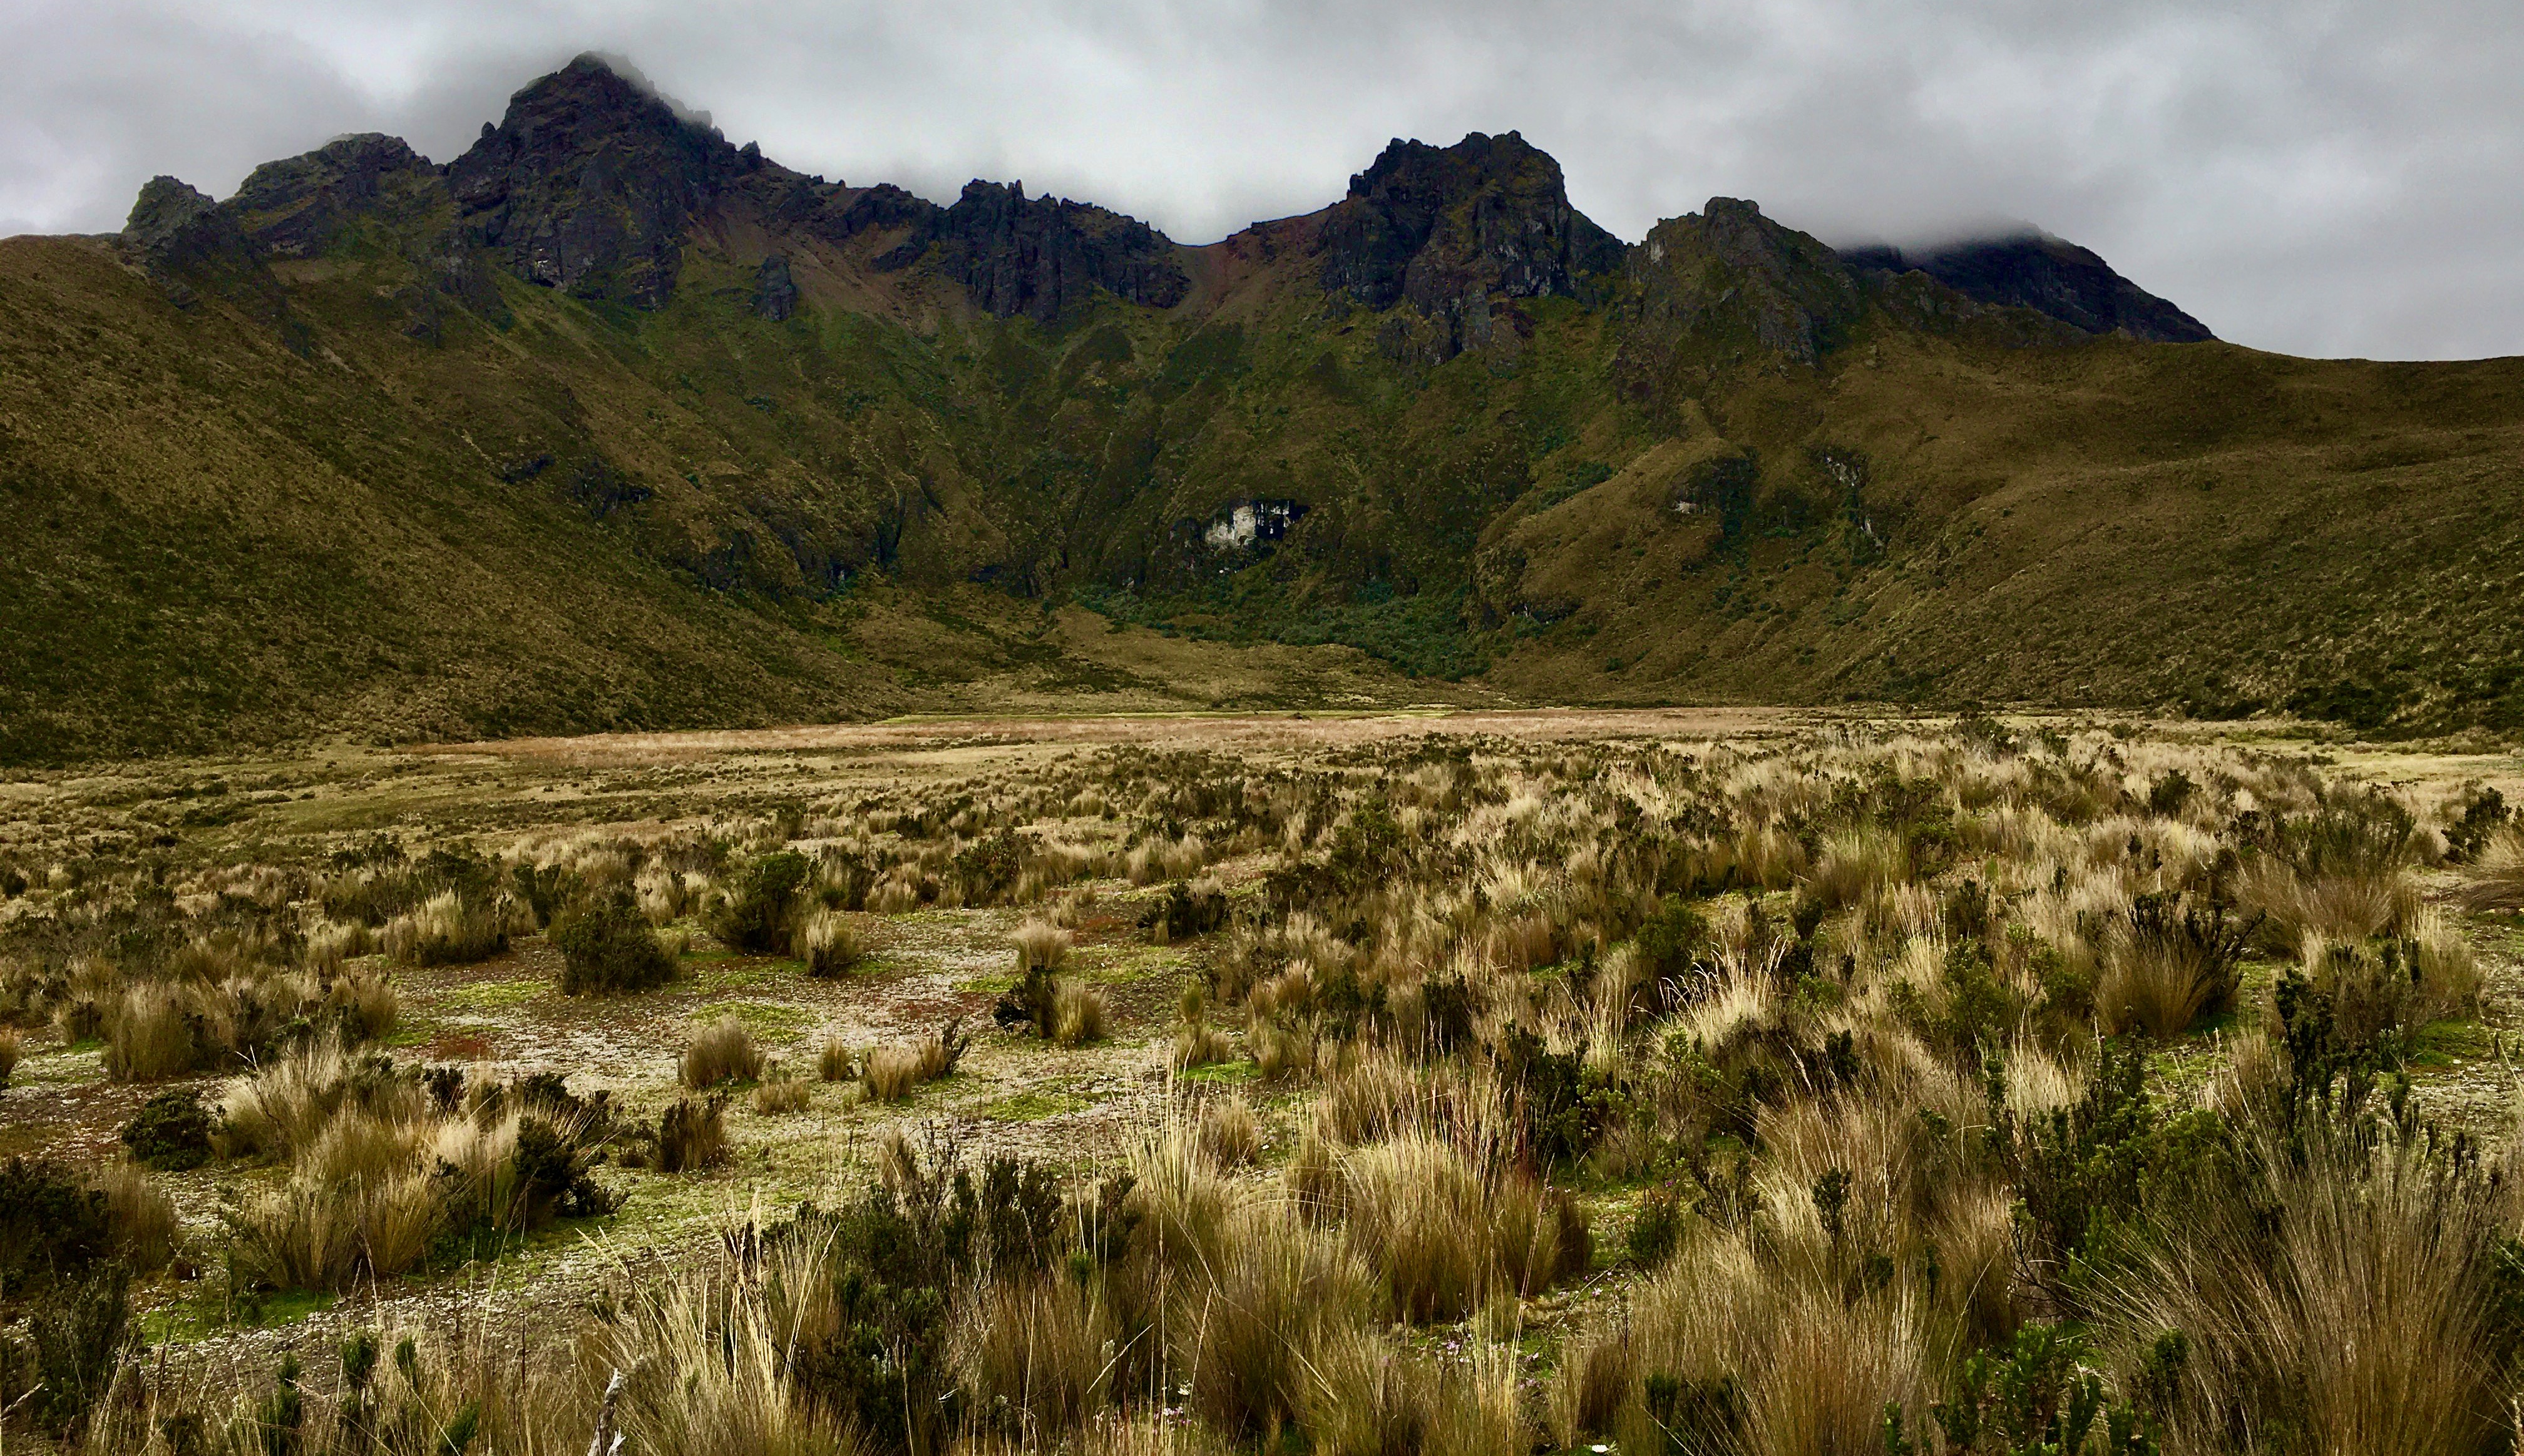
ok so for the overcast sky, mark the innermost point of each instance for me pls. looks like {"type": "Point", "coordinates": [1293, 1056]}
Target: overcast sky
{"type": "Point", "coordinates": [2324, 178]}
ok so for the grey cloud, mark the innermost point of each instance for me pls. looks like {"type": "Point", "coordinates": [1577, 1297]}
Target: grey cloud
{"type": "Point", "coordinates": [2315, 179]}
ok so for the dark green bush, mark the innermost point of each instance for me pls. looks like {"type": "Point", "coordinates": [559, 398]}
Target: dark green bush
{"type": "Point", "coordinates": [81, 1334]}
{"type": "Point", "coordinates": [691, 1135]}
{"type": "Point", "coordinates": [988, 867]}
{"type": "Point", "coordinates": [1180, 914]}
{"type": "Point", "coordinates": [553, 1178]}
{"type": "Point", "coordinates": [761, 911]}
{"type": "Point", "coordinates": [607, 945]}
{"type": "Point", "coordinates": [49, 1224]}
{"type": "Point", "coordinates": [2483, 816]}
{"type": "Point", "coordinates": [1563, 1107]}
{"type": "Point", "coordinates": [172, 1132]}
{"type": "Point", "coordinates": [899, 1261]}
{"type": "Point", "coordinates": [1673, 940]}
{"type": "Point", "coordinates": [1658, 1229]}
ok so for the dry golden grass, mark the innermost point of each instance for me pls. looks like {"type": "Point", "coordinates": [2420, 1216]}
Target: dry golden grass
{"type": "Point", "coordinates": [1039, 1353]}
{"type": "Point", "coordinates": [1078, 1012]}
{"type": "Point", "coordinates": [446, 930]}
{"type": "Point", "coordinates": [148, 1037]}
{"type": "Point", "coordinates": [1904, 952]}
{"type": "Point", "coordinates": [140, 1213]}
{"type": "Point", "coordinates": [780, 1093]}
{"type": "Point", "coordinates": [837, 1063]}
{"type": "Point", "coordinates": [893, 1072]}
{"type": "Point", "coordinates": [1230, 1135]}
{"type": "Point", "coordinates": [829, 944]}
{"type": "Point", "coordinates": [722, 1051]}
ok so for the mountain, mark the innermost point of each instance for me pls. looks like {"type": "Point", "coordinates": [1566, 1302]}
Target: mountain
{"type": "Point", "coordinates": [2031, 269]}
{"type": "Point", "coordinates": [610, 424]}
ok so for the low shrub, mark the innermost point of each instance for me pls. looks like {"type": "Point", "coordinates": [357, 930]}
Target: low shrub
{"type": "Point", "coordinates": [1183, 912]}
{"type": "Point", "coordinates": [50, 1224]}
{"type": "Point", "coordinates": [722, 1051]}
{"type": "Point", "coordinates": [81, 1335]}
{"type": "Point", "coordinates": [691, 1135]}
{"type": "Point", "coordinates": [170, 1131]}
{"type": "Point", "coordinates": [607, 945]}
{"type": "Point", "coordinates": [765, 900]}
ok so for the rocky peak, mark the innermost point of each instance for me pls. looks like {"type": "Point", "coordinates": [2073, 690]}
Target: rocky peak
{"type": "Point", "coordinates": [1727, 287]}
{"type": "Point", "coordinates": [590, 181]}
{"type": "Point", "coordinates": [1040, 256]}
{"type": "Point", "coordinates": [1447, 228]}
{"type": "Point", "coordinates": [172, 219]}
{"type": "Point", "coordinates": [293, 207]}
{"type": "Point", "coordinates": [2032, 270]}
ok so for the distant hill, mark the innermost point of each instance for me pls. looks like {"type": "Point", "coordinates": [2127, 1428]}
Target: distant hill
{"type": "Point", "coordinates": [608, 422]}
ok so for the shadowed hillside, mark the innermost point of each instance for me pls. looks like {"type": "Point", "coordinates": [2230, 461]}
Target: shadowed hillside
{"type": "Point", "coordinates": [609, 423]}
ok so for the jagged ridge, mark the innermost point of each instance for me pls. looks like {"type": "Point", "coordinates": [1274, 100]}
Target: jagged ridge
{"type": "Point", "coordinates": [669, 382]}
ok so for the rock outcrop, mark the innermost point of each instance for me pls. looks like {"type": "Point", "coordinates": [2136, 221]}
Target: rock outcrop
{"type": "Point", "coordinates": [295, 208]}
{"type": "Point", "coordinates": [2047, 275]}
{"type": "Point", "coordinates": [1450, 228]}
{"type": "Point", "coordinates": [590, 181]}
{"type": "Point", "coordinates": [775, 293]}
{"type": "Point", "coordinates": [1038, 257]}
{"type": "Point", "coordinates": [1727, 287]}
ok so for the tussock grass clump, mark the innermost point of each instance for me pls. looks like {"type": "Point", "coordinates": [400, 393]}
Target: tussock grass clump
{"type": "Point", "coordinates": [1196, 1042]}
{"type": "Point", "coordinates": [893, 1072]}
{"type": "Point", "coordinates": [722, 1051]}
{"type": "Point", "coordinates": [1078, 1013]}
{"type": "Point", "coordinates": [139, 1213]}
{"type": "Point", "coordinates": [1040, 945]}
{"type": "Point", "coordinates": [830, 945]}
{"type": "Point", "coordinates": [837, 1063]}
{"type": "Point", "coordinates": [148, 1036]}
{"type": "Point", "coordinates": [2378, 1246]}
{"type": "Point", "coordinates": [12, 1046]}
{"type": "Point", "coordinates": [1367, 1399]}
{"type": "Point", "coordinates": [451, 929]}
{"type": "Point", "coordinates": [781, 1094]}
{"type": "Point", "coordinates": [2495, 879]}
{"type": "Point", "coordinates": [1445, 1237]}
{"type": "Point", "coordinates": [1040, 1350]}
{"type": "Point", "coordinates": [1279, 1293]}
{"type": "Point", "coordinates": [2174, 961]}
{"type": "Point", "coordinates": [1230, 1135]}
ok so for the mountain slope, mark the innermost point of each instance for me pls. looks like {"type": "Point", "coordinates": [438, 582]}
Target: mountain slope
{"type": "Point", "coordinates": [609, 423]}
